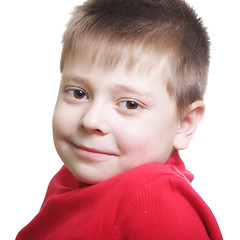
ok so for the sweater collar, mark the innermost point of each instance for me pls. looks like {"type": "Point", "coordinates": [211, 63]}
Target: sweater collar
{"type": "Point", "coordinates": [176, 161]}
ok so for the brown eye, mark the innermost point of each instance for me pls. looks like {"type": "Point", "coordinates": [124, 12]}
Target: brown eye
{"type": "Point", "coordinates": [77, 94]}
{"type": "Point", "coordinates": [131, 105]}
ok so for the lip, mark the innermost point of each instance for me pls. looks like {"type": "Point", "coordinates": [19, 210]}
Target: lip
{"type": "Point", "coordinates": [92, 154]}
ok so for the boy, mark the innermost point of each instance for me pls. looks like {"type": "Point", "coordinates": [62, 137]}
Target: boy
{"type": "Point", "coordinates": [134, 73]}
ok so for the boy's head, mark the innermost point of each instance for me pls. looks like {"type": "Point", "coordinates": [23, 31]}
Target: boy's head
{"type": "Point", "coordinates": [134, 73]}
{"type": "Point", "coordinates": [141, 33]}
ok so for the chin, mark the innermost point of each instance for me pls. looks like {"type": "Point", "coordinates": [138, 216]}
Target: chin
{"type": "Point", "coordinates": [89, 178]}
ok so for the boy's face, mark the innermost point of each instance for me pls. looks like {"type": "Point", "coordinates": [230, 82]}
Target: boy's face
{"type": "Point", "coordinates": [107, 122]}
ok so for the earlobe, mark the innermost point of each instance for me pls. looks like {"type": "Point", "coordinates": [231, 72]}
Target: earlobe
{"type": "Point", "coordinates": [188, 124]}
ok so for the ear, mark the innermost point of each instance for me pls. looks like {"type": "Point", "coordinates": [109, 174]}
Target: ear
{"type": "Point", "coordinates": [188, 124]}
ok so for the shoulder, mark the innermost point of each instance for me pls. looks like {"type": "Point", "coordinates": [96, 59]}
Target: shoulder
{"type": "Point", "coordinates": [154, 176]}
{"type": "Point", "coordinates": [163, 182]}
{"type": "Point", "coordinates": [163, 204]}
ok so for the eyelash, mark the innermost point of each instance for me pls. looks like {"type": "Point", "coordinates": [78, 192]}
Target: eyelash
{"type": "Point", "coordinates": [77, 94]}
{"type": "Point", "coordinates": [130, 105]}
{"type": "Point", "coordinates": [127, 105]}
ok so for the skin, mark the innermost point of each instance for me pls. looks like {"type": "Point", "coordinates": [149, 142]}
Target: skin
{"type": "Point", "coordinates": [108, 122]}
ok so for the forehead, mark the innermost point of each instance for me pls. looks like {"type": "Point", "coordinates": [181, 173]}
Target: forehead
{"type": "Point", "coordinates": [108, 53]}
{"type": "Point", "coordinates": [126, 66]}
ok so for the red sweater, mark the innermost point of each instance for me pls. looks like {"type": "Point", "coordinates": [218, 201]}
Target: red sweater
{"type": "Point", "coordinates": [152, 201]}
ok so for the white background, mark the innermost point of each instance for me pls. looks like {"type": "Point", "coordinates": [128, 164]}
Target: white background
{"type": "Point", "coordinates": [30, 46]}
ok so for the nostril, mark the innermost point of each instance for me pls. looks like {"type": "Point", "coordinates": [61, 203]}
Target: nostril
{"type": "Point", "coordinates": [93, 129]}
{"type": "Point", "coordinates": [98, 132]}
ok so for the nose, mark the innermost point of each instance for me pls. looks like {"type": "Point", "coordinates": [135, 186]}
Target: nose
{"type": "Point", "coordinates": [95, 119]}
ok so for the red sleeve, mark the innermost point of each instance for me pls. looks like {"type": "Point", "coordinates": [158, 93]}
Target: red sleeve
{"type": "Point", "coordinates": [166, 208]}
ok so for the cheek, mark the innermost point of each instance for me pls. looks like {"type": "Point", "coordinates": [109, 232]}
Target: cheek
{"type": "Point", "coordinates": [62, 123]}
{"type": "Point", "coordinates": [132, 138]}
{"type": "Point", "coordinates": [147, 142]}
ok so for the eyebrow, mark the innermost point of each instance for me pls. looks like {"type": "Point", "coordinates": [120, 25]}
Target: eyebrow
{"type": "Point", "coordinates": [116, 86]}
{"type": "Point", "coordinates": [69, 77]}
{"type": "Point", "coordinates": [129, 89]}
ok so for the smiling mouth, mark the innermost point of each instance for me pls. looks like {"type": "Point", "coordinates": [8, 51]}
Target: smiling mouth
{"type": "Point", "coordinates": [92, 154]}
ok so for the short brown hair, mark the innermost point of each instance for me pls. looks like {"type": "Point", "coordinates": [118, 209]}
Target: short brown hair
{"type": "Point", "coordinates": [109, 31]}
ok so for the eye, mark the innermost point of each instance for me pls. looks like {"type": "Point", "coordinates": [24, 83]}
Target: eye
{"type": "Point", "coordinates": [77, 94]}
{"type": "Point", "coordinates": [130, 105]}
